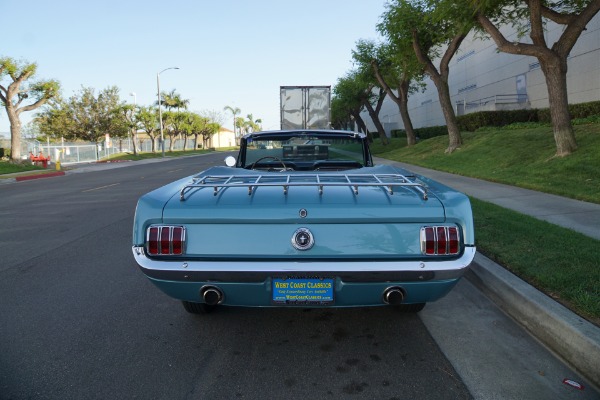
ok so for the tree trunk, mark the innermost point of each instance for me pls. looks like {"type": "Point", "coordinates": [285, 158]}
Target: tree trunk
{"type": "Point", "coordinates": [134, 140]}
{"type": "Point", "coordinates": [454, 138]}
{"type": "Point", "coordinates": [15, 133]}
{"type": "Point", "coordinates": [402, 102]}
{"type": "Point", "coordinates": [377, 122]}
{"type": "Point", "coordinates": [440, 79]}
{"type": "Point", "coordinates": [362, 127]}
{"type": "Point", "coordinates": [555, 72]}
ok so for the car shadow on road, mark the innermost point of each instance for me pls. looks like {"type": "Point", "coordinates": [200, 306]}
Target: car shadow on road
{"type": "Point", "coordinates": [370, 353]}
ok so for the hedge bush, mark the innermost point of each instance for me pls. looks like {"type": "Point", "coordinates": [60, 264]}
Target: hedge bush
{"type": "Point", "coordinates": [582, 112]}
{"type": "Point", "coordinates": [474, 121]}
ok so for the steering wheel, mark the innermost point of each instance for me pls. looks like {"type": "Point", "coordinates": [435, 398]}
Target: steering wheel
{"type": "Point", "coordinates": [269, 158]}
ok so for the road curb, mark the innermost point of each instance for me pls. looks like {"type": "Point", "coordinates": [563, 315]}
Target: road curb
{"type": "Point", "coordinates": [571, 337]}
{"type": "Point", "coordinates": [38, 176]}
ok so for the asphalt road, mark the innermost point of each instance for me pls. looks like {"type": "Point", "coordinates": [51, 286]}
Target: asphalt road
{"type": "Point", "coordinates": [79, 320]}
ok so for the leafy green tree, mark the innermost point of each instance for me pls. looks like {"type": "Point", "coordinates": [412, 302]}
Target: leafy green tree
{"type": "Point", "coordinates": [369, 98]}
{"type": "Point", "coordinates": [530, 18]}
{"type": "Point", "coordinates": [127, 114]}
{"type": "Point", "coordinates": [206, 125]}
{"type": "Point", "coordinates": [54, 122]}
{"type": "Point", "coordinates": [430, 31]}
{"type": "Point", "coordinates": [347, 104]}
{"type": "Point", "coordinates": [363, 56]}
{"type": "Point", "coordinates": [197, 125]}
{"type": "Point", "coordinates": [173, 122]}
{"type": "Point", "coordinates": [94, 115]}
{"type": "Point", "coordinates": [185, 129]}
{"type": "Point", "coordinates": [147, 120]}
{"type": "Point", "coordinates": [395, 66]}
{"type": "Point", "coordinates": [211, 128]}
{"type": "Point", "coordinates": [85, 116]}
{"type": "Point", "coordinates": [360, 85]}
{"type": "Point", "coordinates": [18, 96]}
{"type": "Point", "coordinates": [339, 118]}
{"type": "Point", "coordinates": [193, 125]}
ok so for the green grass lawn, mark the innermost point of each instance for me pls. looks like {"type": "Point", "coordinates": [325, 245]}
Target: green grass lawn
{"type": "Point", "coordinates": [10, 168]}
{"type": "Point", "coordinates": [520, 157]}
{"type": "Point", "coordinates": [562, 263]}
{"type": "Point", "coordinates": [147, 155]}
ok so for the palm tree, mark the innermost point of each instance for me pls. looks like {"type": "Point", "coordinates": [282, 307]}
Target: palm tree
{"type": "Point", "coordinates": [234, 111]}
{"type": "Point", "coordinates": [240, 123]}
{"type": "Point", "coordinates": [252, 125]}
{"type": "Point", "coordinates": [173, 100]}
{"type": "Point", "coordinates": [179, 102]}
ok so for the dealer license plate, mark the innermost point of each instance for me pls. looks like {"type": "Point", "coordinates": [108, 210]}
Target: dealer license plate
{"type": "Point", "coordinates": [303, 290]}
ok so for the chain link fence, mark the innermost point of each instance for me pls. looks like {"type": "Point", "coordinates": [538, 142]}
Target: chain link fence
{"type": "Point", "coordinates": [78, 152]}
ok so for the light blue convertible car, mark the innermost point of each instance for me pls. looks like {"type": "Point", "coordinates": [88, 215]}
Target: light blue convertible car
{"type": "Point", "coordinates": [304, 218]}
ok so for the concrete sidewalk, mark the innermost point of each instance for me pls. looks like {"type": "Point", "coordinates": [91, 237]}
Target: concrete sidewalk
{"type": "Point", "coordinates": [569, 336]}
{"type": "Point", "coordinates": [572, 214]}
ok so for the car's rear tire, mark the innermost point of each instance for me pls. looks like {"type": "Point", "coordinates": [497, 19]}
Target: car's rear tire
{"type": "Point", "coordinates": [197, 308]}
{"type": "Point", "coordinates": [410, 308]}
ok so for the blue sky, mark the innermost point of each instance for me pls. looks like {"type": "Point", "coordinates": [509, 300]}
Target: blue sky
{"type": "Point", "coordinates": [230, 52]}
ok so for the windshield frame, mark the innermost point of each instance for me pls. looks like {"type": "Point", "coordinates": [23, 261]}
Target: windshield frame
{"type": "Point", "coordinates": [313, 138]}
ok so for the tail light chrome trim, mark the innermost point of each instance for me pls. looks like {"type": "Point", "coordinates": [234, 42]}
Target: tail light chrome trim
{"type": "Point", "coordinates": [165, 240]}
{"type": "Point", "coordinates": [440, 240]}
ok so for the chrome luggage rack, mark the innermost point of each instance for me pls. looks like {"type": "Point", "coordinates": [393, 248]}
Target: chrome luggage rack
{"type": "Point", "coordinates": [387, 181]}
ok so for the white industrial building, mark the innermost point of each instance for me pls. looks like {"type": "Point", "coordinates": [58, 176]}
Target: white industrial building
{"type": "Point", "coordinates": [484, 79]}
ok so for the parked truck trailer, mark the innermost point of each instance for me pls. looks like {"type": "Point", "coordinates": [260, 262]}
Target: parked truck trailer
{"type": "Point", "coordinates": [305, 107]}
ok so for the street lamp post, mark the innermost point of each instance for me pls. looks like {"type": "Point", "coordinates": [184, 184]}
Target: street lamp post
{"type": "Point", "coordinates": [162, 137]}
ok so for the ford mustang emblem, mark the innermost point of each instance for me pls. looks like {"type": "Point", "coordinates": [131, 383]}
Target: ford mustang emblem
{"type": "Point", "coordinates": [302, 239]}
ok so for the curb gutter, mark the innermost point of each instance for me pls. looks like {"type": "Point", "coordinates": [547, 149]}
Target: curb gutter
{"type": "Point", "coordinates": [571, 337]}
{"type": "Point", "coordinates": [38, 176]}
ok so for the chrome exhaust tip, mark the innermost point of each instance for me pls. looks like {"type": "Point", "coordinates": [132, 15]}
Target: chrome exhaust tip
{"type": "Point", "coordinates": [211, 295]}
{"type": "Point", "coordinates": [393, 296]}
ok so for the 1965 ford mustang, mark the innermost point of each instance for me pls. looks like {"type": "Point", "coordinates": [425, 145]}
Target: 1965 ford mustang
{"type": "Point", "coordinates": [304, 218]}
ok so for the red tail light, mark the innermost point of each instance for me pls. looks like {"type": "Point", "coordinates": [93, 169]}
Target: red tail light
{"type": "Point", "coordinates": [165, 240]}
{"type": "Point", "coordinates": [453, 241]}
{"type": "Point", "coordinates": [440, 240]}
{"type": "Point", "coordinates": [442, 243]}
{"type": "Point", "coordinates": [428, 240]}
{"type": "Point", "coordinates": [152, 240]}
